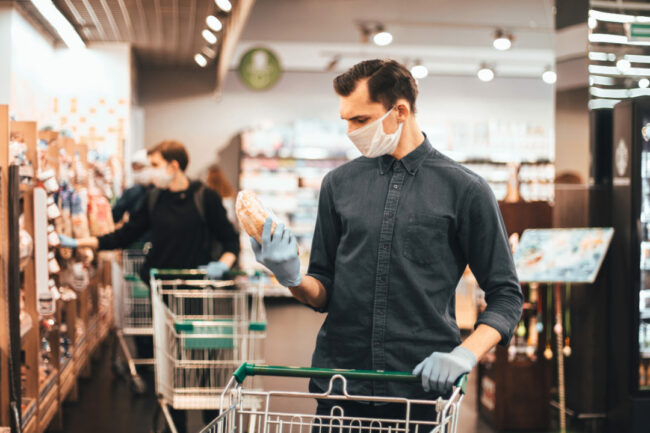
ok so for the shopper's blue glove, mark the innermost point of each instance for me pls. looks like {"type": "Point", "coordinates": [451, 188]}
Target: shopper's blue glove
{"type": "Point", "coordinates": [67, 241]}
{"type": "Point", "coordinates": [441, 370]}
{"type": "Point", "coordinates": [215, 270]}
{"type": "Point", "coordinates": [279, 253]}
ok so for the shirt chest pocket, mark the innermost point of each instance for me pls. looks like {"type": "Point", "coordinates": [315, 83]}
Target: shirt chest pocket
{"type": "Point", "coordinates": [427, 238]}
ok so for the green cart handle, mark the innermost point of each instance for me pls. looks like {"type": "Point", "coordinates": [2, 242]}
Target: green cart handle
{"type": "Point", "coordinates": [180, 273]}
{"type": "Point", "coordinates": [247, 369]}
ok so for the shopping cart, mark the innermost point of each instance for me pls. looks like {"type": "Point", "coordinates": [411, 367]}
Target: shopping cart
{"type": "Point", "coordinates": [132, 303]}
{"type": "Point", "coordinates": [203, 331]}
{"type": "Point", "coordinates": [235, 418]}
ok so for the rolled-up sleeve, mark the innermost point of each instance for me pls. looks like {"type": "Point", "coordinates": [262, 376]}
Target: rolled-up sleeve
{"type": "Point", "coordinates": [327, 234]}
{"type": "Point", "coordinates": [484, 241]}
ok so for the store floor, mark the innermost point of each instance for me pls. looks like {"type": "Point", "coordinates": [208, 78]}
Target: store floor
{"type": "Point", "coordinates": [106, 405]}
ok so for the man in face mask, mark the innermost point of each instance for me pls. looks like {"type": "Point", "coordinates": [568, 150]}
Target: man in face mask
{"type": "Point", "coordinates": [184, 217]}
{"type": "Point", "coordinates": [395, 231]}
{"type": "Point", "coordinates": [133, 197]}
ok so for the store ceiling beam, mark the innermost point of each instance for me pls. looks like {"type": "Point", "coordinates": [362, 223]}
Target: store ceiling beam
{"type": "Point", "coordinates": [233, 30]}
{"type": "Point", "coordinates": [93, 16]}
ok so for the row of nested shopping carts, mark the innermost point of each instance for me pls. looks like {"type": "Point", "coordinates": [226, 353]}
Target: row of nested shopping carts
{"type": "Point", "coordinates": [208, 339]}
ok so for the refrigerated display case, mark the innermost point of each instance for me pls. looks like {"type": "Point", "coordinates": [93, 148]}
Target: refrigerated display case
{"type": "Point", "coordinates": [629, 299]}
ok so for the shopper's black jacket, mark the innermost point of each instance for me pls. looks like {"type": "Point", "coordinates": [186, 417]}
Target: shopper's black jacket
{"type": "Point", "coordinates": [131, 200]}
{"type": "Point", "coordinates": [392, 240]}
{"type": "Point", "coordinates": [180, 237]}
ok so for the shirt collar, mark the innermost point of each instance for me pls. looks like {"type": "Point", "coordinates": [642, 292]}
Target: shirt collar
{"type": "Point", "coordinates": [411, 162]}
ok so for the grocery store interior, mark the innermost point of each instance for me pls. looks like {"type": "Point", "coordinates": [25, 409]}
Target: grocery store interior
{"type": "Point", "coordinates": [547, 101]}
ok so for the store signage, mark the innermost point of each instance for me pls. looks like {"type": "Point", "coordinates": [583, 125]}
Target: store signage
{"type": "Point", "coordinates": [259, 68]}
{"type": "Point", "coordinates": [638, 31]}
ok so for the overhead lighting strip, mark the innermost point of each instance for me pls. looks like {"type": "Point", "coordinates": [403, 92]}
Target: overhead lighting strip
{"type": "Point", "coordinates": [62, 26]}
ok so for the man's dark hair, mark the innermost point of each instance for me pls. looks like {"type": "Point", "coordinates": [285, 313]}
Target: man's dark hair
{"type": "Point", "coordinates": [388, 81]}
{"type": "Point", "coordinates": [171, 150]}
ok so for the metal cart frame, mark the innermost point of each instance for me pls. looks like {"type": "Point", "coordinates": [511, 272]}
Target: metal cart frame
{"type": "Point", "coordinates": [133, 317]}
{"type": "Point", "coordinates": [445, 413]}
{"type": "Point", "coordinates": [203, 331]}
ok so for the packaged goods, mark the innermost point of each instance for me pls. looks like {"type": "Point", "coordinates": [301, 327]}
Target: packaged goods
{"type": "Point", "coordinates": [252, 214]}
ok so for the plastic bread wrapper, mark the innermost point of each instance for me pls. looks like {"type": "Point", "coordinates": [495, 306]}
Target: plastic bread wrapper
{"type": "Point", "coordinates": [251, 214]}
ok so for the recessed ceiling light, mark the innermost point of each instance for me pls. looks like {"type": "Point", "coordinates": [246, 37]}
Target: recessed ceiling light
{"type": "Point", "coordinates": [592, 22]}
{"type": "Point", "coordinates": [209, 36]}
{"type": "Point", "coordinates": [382, 38]}
{"type": "Point", "coordinates": [224, 5]}
{"type": "Point", "coordinates": [485, 74]}
{"type": "Point", "coordinates": [623, 65]}
{"type": "Point", "coordinates": [214, 23]}
{"type": "Point", "coordinates": [200, 60]}
{"type": "Point", "coordinates": [502, 41]}
{"type": "Point", "coordinates": [549, 76]}
{"type": "Point", "coordinates": [419, 71]}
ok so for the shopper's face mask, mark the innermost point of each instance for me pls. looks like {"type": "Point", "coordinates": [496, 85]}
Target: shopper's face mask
{"type": "Point", "coordinates": [372, 141]}
{"type": "Point", "coordinates": [162, 176]}
{"type": "Point", "coordinates": [142, 176]}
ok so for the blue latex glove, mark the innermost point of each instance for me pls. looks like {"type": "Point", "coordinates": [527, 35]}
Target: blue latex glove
{"type": "Point", "coordinates": [441, 370]}
{"type": "Point", "coordinates": [279, 253]}
{"type": "Point", "coordinates": [67, 241]}
{"type": "Point", "coordinates": [215, 270]}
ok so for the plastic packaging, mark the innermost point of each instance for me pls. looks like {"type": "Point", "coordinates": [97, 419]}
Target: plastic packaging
{"type": "Point", "coordinates": [252, 214]}
{"type": "Point", "coordinates": [53, 211]}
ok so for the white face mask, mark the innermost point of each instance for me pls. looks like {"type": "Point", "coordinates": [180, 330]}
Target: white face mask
{"type": "Point", "coordinates": [142, 176]}
{"type": "Point", "coordinates": [372, 141]}
{"type": "Point", "coordinates": [161, 178]}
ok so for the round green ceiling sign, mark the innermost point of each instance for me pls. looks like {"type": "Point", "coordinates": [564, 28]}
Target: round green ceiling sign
{"type": "Point", "coordinates": [259, 68]}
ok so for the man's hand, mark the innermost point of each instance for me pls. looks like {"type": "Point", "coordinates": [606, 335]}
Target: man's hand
{"type": "Point", "coordinates": [68, 242]}
{"type": "Point", "coordinates": [440, 370]}
{"type": "Point", "coordinates": [279, 253]}
{"type": "Point", "coordinates": [215, 270]}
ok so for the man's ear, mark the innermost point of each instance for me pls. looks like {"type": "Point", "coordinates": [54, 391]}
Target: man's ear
{"type": "Point", "coordinates": [403, 109]}
{"type": "Point", "coordinates": [174, 164]}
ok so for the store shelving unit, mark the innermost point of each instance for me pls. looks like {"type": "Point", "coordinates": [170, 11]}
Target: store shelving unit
{"type": "Point", "coordinates": [80, 323]}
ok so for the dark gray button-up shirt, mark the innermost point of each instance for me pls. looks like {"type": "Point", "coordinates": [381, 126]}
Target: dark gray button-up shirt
{"type": "Point", "coordinates": [391, 242]}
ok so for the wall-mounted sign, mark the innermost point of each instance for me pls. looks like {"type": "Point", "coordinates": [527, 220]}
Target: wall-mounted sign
{"type": "Point", "coordinates": [259, 68]}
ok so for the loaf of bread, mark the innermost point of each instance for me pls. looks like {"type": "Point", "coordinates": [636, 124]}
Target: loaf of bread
{"type": "Point", "coordinates": [251, 214]}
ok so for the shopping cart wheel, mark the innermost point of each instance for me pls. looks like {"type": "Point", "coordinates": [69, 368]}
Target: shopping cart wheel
{"type": "Point", "coordinates": [138, 386]}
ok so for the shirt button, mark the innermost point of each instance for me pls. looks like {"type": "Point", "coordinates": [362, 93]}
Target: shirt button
{"type": "Point", "coordinates": [385, 246]}
{"type": "Point", "coordinates": [395, 186]}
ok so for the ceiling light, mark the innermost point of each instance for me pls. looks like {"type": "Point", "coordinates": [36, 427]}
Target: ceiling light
{"type": "Point", "coordinates": [214, 23]}
{"type": "Point", "coordinates": [644, 83]}
{"type": "Point", "coordinates": [382, 37]}
{"type": "Point", "coordinates": [201, 60]}
{"type": "Point", "coordinates": [486, 73]}
{"type": "Point", "coordinates": [62, 26]}
{"type": "Point", "coordinates": [502, 41]}
{"type": "Point", "coordinates": [592, 22]}
{"type": "Point", "coordinates": [209, 36]}
{"type": "Point", "coordinates": [623, 65]}
{"type": "Point", "coordinates": [224, 5]}
{"type": "Point", "coordinates": [549, 76]}
{"type": "Point", "coordinates": [419, 70]}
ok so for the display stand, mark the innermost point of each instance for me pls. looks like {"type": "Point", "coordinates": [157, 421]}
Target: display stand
{"type": "Point", "coordinates": [80, 322]}
{"type": "Point", "coordinates": [505, 381]}
{"type": "Point", "coordinates": [561, 257]}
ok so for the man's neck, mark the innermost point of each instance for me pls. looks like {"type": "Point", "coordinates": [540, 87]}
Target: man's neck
{"type": "Point", "coordinates": [179, 183]}
{"type": "Point", "coordinates": [411, 138]}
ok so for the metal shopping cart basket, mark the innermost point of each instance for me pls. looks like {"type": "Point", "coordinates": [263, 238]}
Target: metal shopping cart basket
{"type": "Point", "coordinates": [132, 303]}
{"type": "Point", "coordinates": [236, 418]}
{"type": "Point", "coordinates": [203, 331]}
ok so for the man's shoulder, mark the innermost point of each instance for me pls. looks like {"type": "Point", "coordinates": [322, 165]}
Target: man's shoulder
{"type": "Point", "coordinates": [451, 170]}
{"type": "Point", "coordinates": [352, 168]}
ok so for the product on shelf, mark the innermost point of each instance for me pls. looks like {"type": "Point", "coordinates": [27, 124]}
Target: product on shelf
{"type": "Point", "coordinates": [18, 156]}
{"type": "Point", "coordinates": [26, 244]}
{"type": "Point", "coordinates": [100, 215]}
{"type": "Point", "coordinates": [252, 214]}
